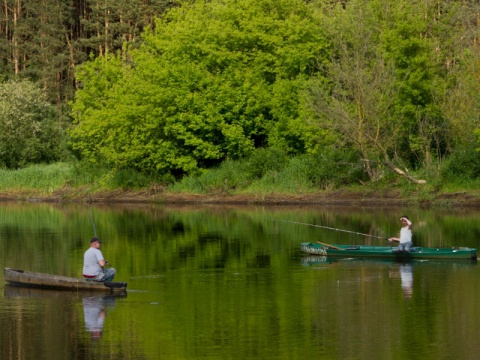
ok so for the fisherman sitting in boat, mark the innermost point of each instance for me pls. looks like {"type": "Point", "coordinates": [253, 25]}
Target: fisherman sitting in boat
{"type": "Point", "coordinates": [94, 263]}
{"type": "Point", "coordinates": [405, 239]}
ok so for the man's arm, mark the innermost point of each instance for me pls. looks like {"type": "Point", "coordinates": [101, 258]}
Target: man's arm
{"type": "Point", "coordinates": [101, 260]}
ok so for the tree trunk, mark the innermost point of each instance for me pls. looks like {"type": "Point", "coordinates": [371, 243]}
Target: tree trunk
{"type": "Point", "coordinates": [16, 51]}
{"type": "Point", "coordinates": [402, 173]}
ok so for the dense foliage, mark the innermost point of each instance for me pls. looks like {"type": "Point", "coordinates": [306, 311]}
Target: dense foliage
{"type": "Point", "coordinates": [44, 40]}
{"type": "Point", "coordinates": [214, 81]}
{"type": "Point", "coordinates": [29, 132]}
{"type": "Point", "coordinates": [394, 78]}
{"type": "Point", "coordinates": [343, 91]}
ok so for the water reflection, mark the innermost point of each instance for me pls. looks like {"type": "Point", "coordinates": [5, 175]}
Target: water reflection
{"type": "Point", "coordinates": [228, 283]}
{"type": "Point", "coordinates": [13, 291]}
{"type": "Point", "coordinates": [316, 260]}
{"type": "Point", "coordinates": [94, 314]}
{"type": "Point", "coordinates": [94, 306]}
{"type": "Point", "coordinates": [404, 271]}
{"type": "Point", "coordinates": [401, 270]}
{"type": "Point", "coordinates": [406, 274]}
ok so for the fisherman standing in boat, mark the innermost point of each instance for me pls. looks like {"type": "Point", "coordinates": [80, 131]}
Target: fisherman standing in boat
{"type": "Point", "coordinates": [94, 263]}
{"type": "Point", "coordinates": [405, 239]}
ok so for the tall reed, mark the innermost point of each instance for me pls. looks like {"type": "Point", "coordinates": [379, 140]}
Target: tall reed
{"type": "Point", "coordinates": [44, 178]}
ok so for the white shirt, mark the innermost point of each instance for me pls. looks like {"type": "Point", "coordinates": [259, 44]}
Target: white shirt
{"type": "Point", "coordinates": [405, 234]}
{"type": "Point", "coordinates": [90, 262]}
{"type": "Point", "coordinates": [92, 308]}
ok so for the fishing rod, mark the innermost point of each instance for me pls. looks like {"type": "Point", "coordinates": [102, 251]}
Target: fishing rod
{"type": "Point", "coordinates": [95, 234]}
{"type": "Point", "coordinates": [331, 228]}
{"type": "Point", "coordinates": [93, 223]}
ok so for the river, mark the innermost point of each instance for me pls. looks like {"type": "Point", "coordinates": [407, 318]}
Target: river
{"type": "Point", "coordinates": [230, 282]}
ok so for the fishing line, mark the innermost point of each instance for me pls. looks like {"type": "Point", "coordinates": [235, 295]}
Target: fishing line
{"type": "Point", "coordinates": [331, 228]}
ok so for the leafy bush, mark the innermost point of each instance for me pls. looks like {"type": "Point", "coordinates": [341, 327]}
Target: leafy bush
{"type": "Point", "coordinates": [462, 164]}
{"type": "Point", "coordinates": [271, 170]}
{"type": "Point", "coordinates": [213, 81]}
{"type": "Point", "coordinates": [293, 177]}
{"type": "Point", "coordinates": [334, 168]}
{"type": "Point", "coordinates": [29, 133]}
{"type": "Point", "coordinates": [101, 176]}
{"type": "Point", "coordinates": [230, 175]}
{"type": "Point", "coordinates": [130, 179]}
{"type": "Point", "coordinates": [86, 173]}
{"type": "Point", "coordinates": [263, 161]}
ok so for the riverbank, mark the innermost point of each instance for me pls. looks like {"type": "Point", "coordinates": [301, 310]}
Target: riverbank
{"type": "Point", "coordinates": [338, 197]}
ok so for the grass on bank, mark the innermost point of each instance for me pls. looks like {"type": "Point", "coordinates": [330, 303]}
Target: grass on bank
{"type": "Point", "coordinates": [42, 178]}
{"type": "Point", "coordinates": [272, 171]}
{"type": "Point", "coordinates": [266, 174]}
{"type": "Point", "coordinates": [46, 179]}
{"type": "Point", "coordinates": [268, 171]}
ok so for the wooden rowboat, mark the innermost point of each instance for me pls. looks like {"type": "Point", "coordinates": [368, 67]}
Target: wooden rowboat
{"type": "Point", "coordinates": [47, 281]}
{"type": "Point", "coordinates": [388, 252]}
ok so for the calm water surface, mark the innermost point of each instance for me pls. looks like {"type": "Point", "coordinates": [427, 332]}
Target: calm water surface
{"type": "Point", "coordinates": [231, 283]}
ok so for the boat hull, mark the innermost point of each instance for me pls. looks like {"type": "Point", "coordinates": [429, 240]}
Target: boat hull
{"type": "Point", "coordinates": [388, 252]}
{"type": "Point", "coordinates": [47, 281]}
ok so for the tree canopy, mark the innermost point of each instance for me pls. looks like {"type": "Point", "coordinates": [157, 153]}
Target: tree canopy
{"type": "Point", "coordinates": [44, 40]}
{"type": "Point", "coordinates": [391, 81]}
{"type": "Point", "coordinates": [166, 88]}
{"type": "Point", "coordinates": [29, 133]}
{"type": "Point", "coordinates": [213, 81]}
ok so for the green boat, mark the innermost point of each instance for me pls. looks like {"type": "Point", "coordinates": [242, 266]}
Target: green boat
{"type": "Point", "coordinates": [388, 252]}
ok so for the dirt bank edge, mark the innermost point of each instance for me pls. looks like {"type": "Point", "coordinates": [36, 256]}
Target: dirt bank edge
{"type": "Point", "coordinates": [341, 197]}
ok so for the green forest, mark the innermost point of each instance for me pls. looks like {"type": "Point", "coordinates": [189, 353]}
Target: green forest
{"type": "Point", "coordinates": [240, 95]}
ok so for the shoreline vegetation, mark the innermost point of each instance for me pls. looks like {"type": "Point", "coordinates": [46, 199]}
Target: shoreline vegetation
{"type": "Point", "coordinates": [252, 102]}
{"type": "Point", "coordinates": [64, 182]}
{"type": "Point", "coordinates": [343, 197]}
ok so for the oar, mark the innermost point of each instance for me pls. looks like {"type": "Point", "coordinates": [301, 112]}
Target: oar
{"type": "Point", "coordinates": [330, 246]}
{"type": "Point", "coordinates": [335, 229]}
